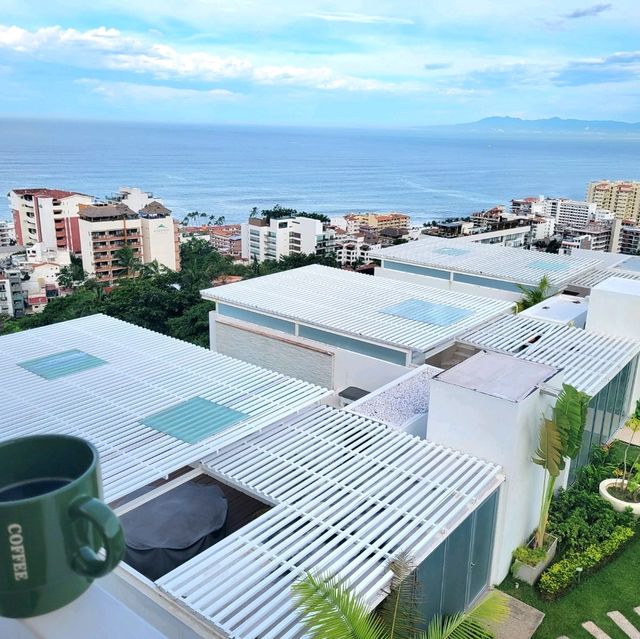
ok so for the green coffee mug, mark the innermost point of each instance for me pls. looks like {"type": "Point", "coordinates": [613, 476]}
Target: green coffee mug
{"type": "Point", "coordinates": [52, 524]}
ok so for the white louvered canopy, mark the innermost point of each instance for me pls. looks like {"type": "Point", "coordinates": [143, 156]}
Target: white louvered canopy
{"type": "Point", "coordinates": [354, 304]}
{"type": "Point", "coordinates": [349, 495]}
{"type": "Point", "coordinates": [590, 360]}
{"type": "Point", "coordinates": [593, 278]}
{"type": "Point", "coordinates": [500, 262]}
{"type": "Point", "coordinates": [145, 373]}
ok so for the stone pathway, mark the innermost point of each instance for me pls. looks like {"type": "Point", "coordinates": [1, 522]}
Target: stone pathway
{"type": "Point", "coordinates": [619, 619]}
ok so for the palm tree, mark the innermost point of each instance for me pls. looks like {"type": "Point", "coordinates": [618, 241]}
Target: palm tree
{"type": "Point", "coordinates": [331, 611]}
{"type": "Point", "coordinates": [560, 440]}
{"type": "Point", "coordinates": [127, 259]}
{"type": "Point", "coordinates": [535, 295]}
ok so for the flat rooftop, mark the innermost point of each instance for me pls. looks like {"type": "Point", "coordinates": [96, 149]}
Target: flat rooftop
{"type": "Point", "coordinates": [151, 404]}
{"type": "Point", "coordinates": [589, 360]}
{"type": "Point", "coordinates": [498, 375]}
{"type": "Point", "coordinates": [498, 262]}
{"type": "Point", "coordinates": [376, 309]}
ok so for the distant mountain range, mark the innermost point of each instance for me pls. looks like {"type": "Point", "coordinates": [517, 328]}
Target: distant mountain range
{"type": "Point", "coordinates": [548, 125]}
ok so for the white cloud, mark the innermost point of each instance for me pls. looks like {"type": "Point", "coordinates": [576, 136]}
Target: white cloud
{"type": "Point", "coordinates": [359, 18]}
{"type": "Point", "coordinates": [151, 92]}
{"type": "Point", "coordinates": [111, 49]}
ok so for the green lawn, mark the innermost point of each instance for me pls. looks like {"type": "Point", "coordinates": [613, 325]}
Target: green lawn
{"type": "Point", "coordinates": [614, 587]}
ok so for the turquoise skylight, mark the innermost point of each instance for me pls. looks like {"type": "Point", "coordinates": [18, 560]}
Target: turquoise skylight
{"type": "Point", "coordinates": [451, 251]}
{"type": "Point", "coordinates": [194, 419]}
{"type": "Point", "coordinates": [61, 364]}
{"type": "Point", "coordinates": [548, 265]}
{"type": "Point", "coordinates": [428, 312]}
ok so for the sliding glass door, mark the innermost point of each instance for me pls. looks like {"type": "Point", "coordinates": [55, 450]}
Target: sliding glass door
{"type": "Point", "coordinates": [457, 572]}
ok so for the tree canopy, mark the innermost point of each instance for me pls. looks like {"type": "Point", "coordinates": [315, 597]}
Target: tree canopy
{"type": "Point", "coordinates": [153, 296]}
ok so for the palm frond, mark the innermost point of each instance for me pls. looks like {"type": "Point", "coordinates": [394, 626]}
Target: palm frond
{"type": "Point", "coordinates": [400, 611]}
{"type": "Point", "coordinates": [570, 415]}
{"type": "Point", "coordinates": [549, 453]}
{"type": "Point", "coordinates": [493, 609]}
{"type": "Point", "coordinates": [331, 611]}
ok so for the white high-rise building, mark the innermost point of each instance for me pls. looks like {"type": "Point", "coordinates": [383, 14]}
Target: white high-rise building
{"type": "Point", "coordinates": [573, 213]}
{"type": "Point", "coordinates": [277, 238]}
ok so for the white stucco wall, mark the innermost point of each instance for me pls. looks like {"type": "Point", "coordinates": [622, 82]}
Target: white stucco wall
{"type": "Point", "coordinates": [614, 309]}
{"type": "Point", "coordinates": [505, 433]}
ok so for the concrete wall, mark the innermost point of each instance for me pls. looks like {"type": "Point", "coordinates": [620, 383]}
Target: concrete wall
{"type": "Point", "coordinates": [434, 282]}
{"type": "Point", "coordinates": [505, 433]}
{"type": "Point", "coordinates": [614, 309]}
{"type": "Point", "coordinates": [281, 355]}
{"type": "Point", "coordinates": [305, 359]}
{"type": "Point", "coordinates": [160, 241]}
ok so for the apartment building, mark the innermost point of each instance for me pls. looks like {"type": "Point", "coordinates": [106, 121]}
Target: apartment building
{"type": "Point", "coordinates": [227, 239]}
{"type": "Point", "coordinates": [160, 235]}
{"type": "Point", "coordinates": [12, 301]}
{"type": "Point", "coordinates": [7, 233]}
{"type": "Point", "coordinates": [352, 250]}
{"type": "Point", "coordinates": [104, 229]}
{"type": "Point", "coordinates": [279, 237]}
{"type": "Point", "coordinates": [620, 197]}
{"type": "Point", "coordinates": [376, 221]}
{"type": "Point", "coordinates": [594, 236]}
{"type": "Point", "coordinates": [573, 213]}
{"type": "Point", "coordinates": [47, 215]}
{"type": "Point", "coordinates": [629, 240]}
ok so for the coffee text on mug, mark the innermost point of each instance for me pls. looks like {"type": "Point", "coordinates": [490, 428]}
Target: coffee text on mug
{"type": "Point", "coordinates": [18, 556]}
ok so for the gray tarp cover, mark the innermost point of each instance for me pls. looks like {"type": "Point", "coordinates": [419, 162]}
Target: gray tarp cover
{"type": "Point", "coordinates": [174, 527]}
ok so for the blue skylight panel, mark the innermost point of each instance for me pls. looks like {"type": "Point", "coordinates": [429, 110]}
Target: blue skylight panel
{"type": "Point", "coordinates": [428, 312]}
{"type": "Point", "coordinates": [62, 364]}
{"type": "Point", "coordinates": [632, 264]}
{"type": "Point", "coordinates": [547, 265]}
{"type": "Point", "coordinates": [446, 250]}
{"type": "Point", "coordinates": [194, 419]}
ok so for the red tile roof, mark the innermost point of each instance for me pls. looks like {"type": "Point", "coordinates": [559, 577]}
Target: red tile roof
{"type": "Point", "coordinates": [43, 192]}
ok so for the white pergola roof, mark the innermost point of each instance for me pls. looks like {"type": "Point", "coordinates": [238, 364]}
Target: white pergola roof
{"type": "Point", "coordinates": [349, 494]}
{"type": "Point", "coordinates": [593, 278]}
{"type": "Point", "coordinates": [590, 360]}
{"type": "Point", "coordinates": [145, 372]}
{"type": "Point", "coordinates": [499, 262]}
{"type": "Point", "coordinates": [353, 304]}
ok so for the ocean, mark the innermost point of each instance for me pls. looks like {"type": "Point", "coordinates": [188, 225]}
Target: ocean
{"type": "Point", "coordinates": [227, 170]}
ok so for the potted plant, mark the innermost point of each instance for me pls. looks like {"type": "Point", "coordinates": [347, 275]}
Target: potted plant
{"type": "Point", "coordinates": [560, 441]}
{"type": "Point", "coordinates": [623, 491]}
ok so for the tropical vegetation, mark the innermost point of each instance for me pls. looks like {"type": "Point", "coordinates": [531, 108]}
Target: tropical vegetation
{"type": "Point", "coordinates": [151, 295]}
{"type": "Point", "coordinates": [534, 295]}
{"type": "Point", "coordinates": [560, 441]}
{"type": "Point", "coordinates": [330, 610]}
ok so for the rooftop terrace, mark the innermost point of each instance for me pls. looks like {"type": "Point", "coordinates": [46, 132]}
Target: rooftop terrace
{"type": "Point", "coordinates": [377, 309]}
{"type": "Point", "coordinates": [499, 262]}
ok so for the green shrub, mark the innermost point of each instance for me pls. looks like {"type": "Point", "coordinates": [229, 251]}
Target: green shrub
{"type": "Point", "coordinates": [529, 556]}
{"type": "Point", "coordinates": [563, 574]}
{"type": "Point", "coordinates": [581, 518]}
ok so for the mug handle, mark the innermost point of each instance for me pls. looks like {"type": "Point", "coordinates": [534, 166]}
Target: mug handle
{"type": "Point", "coordinates": [87, 562]}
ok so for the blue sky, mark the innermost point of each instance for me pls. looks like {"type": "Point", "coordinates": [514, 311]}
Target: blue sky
{"type": "Point", "coordinates": [309, 62]}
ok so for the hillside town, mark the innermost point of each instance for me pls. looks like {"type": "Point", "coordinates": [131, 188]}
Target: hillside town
{"type": "Point", "coordinates": [50, 229]}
